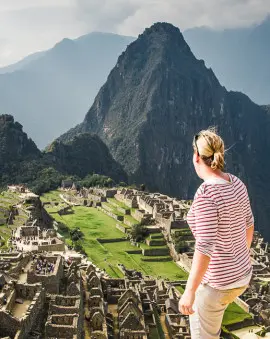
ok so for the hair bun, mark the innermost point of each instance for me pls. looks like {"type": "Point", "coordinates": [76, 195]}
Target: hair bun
{"type": "Point", "coordinates": [218, 161]}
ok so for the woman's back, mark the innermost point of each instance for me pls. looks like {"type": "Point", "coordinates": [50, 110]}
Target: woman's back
{"type": "Point", "coordinates": [218, 218]}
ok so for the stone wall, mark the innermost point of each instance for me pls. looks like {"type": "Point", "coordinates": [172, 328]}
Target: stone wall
{"type": "Point", "coordinates": [130, 223]}
{"type": "Point", "coordinates": [142, 217]}
{"type": "Point", "coordinates": [52, 248]}
{"type": "Point", "coordinates": [96, 198]}
{"type": "Point", "coordinates": [62, 326]}
{"type": "Point", "coordinates": [122, 228]}
{"type": "Point", "coordinates": [20, 328]}
{"type": "Point", "coordinates": [65, 305]}
{"type": "Point", "coordinates": [29, 231]}
{"type": "Point", "coordinates": [143, 205]}
{"type": "Point", "coordinates": [21, 264]}
{"type": "Point", "coordinates": [9, 325]}
{"type": "Point", "coordinates": [155, 252]}
{"type": "Point", "coordinates": [107, 241]}
{"type": "Point", "coordinates": [51, 281]}
{"type": "Point", "coordinates": [110, 214]}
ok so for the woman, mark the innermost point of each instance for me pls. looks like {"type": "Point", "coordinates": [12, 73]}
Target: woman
{"type": "Point", "coordinates": [222, 223]}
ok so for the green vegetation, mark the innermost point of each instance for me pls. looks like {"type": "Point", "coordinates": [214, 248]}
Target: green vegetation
{"type": "Point", "coordinates": [234, 314]}
{"type": "Point", "coordinates": [119, 203]}
{"type": "Point", "coordinates": [92, 180]}
{"type": "Point", "coordinates": [96, 225]}
{"type": "Point", "coordinates": [5, 233]}
{"type": "Point", "coordinates": [138, 232]}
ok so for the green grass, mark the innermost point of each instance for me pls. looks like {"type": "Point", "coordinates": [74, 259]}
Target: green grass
{"type": "Point", "coordinates": [52, 196]}
{"type": "Point", "coordinates": [146, 247]}
{"type": "Point", "coordinates": [119, 203]}
{"type": "Point", "coordinates": [153, 333]}
{"type": "Point", "coordinates": [234, 314]}
{"type": "Point", "coordinates": [5, 233]}
{"type": "Point", "coordinates": [95, 224]}
{"type": "Point", "coordinates": [131, 219]}
{"type": "Point", "coordinates": [180, 289]}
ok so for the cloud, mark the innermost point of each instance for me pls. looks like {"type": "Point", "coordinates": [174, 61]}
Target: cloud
{"type": "Point", "coordinates": [105, 17]}
{"type": "Point", "coordinates": [186, 14]}
{"type": "Point", "coordinates": [30, 25]}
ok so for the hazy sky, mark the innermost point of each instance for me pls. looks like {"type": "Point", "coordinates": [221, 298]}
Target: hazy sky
{"type": "Point", "coordinates": [27, 26]}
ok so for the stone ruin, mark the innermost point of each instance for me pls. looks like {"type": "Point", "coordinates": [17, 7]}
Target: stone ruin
{"type": "Point", "coordinates": [30, 238]}
{"type": "Point", "coordinates": [20, 306]}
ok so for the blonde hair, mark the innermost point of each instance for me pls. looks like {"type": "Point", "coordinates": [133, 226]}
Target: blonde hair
{"type": "Point", "coordinates": [210, 147]}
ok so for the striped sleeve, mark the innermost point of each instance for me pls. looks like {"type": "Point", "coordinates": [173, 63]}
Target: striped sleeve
{"type": "Point", "coordinates": [248, 212]}
{"type": "Point", "coordinates": [206, 224]}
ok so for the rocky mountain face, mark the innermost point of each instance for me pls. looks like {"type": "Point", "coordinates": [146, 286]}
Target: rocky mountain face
{"type": "Point", "coordinates": [154, 101]}
{"type": "Point", "coordinates": [85, 154]}
{"type": "Point", "coordinates": [239, 57]}
{"type": "Point", "coordinates": [50, 91]}
{"type": "Point", "coordinates": [22, 162]}
{"type": "Point", "coordinates": [15, 146]}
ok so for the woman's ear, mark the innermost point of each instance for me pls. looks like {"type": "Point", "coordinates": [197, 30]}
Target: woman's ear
{"type": "Point", "coordinates": [196, 156]}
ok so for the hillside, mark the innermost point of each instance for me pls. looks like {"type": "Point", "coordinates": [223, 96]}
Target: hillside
{"type": "Point", "coordinates": [156, 98]}
{"type": "Point", "coordinates": [85, 154]}
{"type": "Point", "coordinates": [49, 92]}
{"type": "Point", "coordinates": [239, 57]}
{"type": "Point", "coordinates": [22, 162]}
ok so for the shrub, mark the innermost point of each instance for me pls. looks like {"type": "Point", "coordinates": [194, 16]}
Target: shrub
{"type": "Point", "coordinates": [138, 233]}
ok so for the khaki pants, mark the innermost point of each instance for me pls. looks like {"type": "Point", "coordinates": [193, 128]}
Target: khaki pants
{"type": "Point", "coordinates": [209, 306]}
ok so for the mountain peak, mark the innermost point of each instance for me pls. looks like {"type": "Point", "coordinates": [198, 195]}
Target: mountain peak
{"type": "Point", "coordinates": [162, 27]}
{"type": "Point", "coordinates": [164, 31]}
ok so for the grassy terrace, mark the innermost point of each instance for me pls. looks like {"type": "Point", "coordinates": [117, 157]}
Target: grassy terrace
{"type": "Point", "coordinates": [95, 224]}
{"type": "Point", "coordinates": [8, 199]}
{"type": "Point", "coordinates": [234, 314]}
{"type": "Point", "coordinates": [116, 212]}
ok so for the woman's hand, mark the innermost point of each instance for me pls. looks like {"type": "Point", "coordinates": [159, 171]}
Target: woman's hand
{"type": "Point", "coordinates": [186, 302]}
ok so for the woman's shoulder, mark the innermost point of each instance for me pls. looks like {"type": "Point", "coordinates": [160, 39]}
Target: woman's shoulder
{"type": "Point", "coordinates": [204, 192]}
{"type": "Point", "coordinates": [237, 181]}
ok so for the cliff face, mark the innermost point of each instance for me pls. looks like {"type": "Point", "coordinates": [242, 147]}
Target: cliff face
{"type": "Point", "coordinates": [83, 155]}
{"type": "Point", "coordinates": [14, 143]}
{"type": "Point", "coordinates": [156, 98]}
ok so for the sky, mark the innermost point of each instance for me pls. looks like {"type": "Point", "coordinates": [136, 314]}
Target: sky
{"type": "Point", "coordinates": [27, 26]}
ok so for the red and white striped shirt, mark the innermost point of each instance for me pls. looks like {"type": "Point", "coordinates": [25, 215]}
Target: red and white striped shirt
{"type": "Point", "coordinates": [218, 219]}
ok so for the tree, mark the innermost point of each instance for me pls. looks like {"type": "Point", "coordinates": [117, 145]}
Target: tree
{"type": "Point", "coordinates": [138, 232]}
{"type": "Point", "coordinates": [181, 246]}
{"type": "Point", "coordinates": [142, 187]}
{"type": "Point", "coordinates": [76, 235]}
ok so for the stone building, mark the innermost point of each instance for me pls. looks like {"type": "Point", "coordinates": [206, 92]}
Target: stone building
{"type": "Point", "coordinates": [20, 306]}
{"type": "Point", "coordinates": [49, 272]}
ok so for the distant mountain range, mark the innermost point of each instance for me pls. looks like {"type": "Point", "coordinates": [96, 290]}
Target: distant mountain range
{"type": "Point", "coordinates": [49, 92]}
{"type": "Point", "coordinates": [239, 57]}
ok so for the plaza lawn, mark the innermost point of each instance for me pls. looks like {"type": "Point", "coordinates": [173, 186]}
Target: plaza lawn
{"type": "Point", "coordinates": [94, 224]}
{"type": "Point", "coordinates": [234, 314]}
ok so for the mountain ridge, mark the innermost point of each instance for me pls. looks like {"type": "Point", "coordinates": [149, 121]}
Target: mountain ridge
{"type": "Point", "coordinates": [22, 162]}
{"type": "Point", "coordinates": [237, 56]}
{"type": "Point", "coordinates": [51, 91]}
